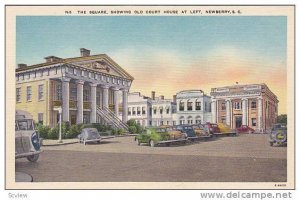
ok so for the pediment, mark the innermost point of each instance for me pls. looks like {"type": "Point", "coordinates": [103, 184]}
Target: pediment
{"type": "Point", "coordinates": [105, 66]}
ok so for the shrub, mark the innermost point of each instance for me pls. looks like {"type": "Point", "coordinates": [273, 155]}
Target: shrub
{"type": "Point", "coordinates": [139, 128]}
{"type": "Point", "coordinates": [131, 122]}
{"type": "Point", "coordinates": [53, 133]}
{"type": "Point", "coordinates": [43, 131]}
{"type": "Point", "coordinates": [74, 131]}
{"type": "Point", "coordinates": [155, 136]}
{"type": "Point", "coordinates": [114, 132]}
{"type": "Point", "coordinates": [121, 131]}
{"type": "Point", "coordinates": [132, 129]}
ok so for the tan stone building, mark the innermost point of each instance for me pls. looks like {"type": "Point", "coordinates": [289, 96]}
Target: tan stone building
{"type": "Point", "coordinates": [254, 105]}
{"type": "Point", "coordinates": [88, 89]}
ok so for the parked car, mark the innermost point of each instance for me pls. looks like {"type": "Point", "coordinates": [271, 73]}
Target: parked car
{"type": "Point", "coordinates": [161, 135]}
{"type": "Point", "coordinates": [89, 135]}
{"type": "Point", "coordinates": [226, 130]}
{"type": "Point", "coordinates": [188, 129]}
{"type": "Point", "coordinates": [213, 128]}
{"type": "Point", "coordinates": [245, 129]}
{"type": "Point", "coordinates": [201, 131]}
{"type": "Point", "coordinates": [278, 135]}
{"type": "Point", "coordinates": [27, 140]}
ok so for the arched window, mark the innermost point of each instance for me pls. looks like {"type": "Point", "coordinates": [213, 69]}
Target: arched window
{"type": "Point", "coordinates": [181, 120]}
{"type": "Point", "coordinates": [190, 120]}
{"type": "Point", "coordinates": [198, 120]}
{"type": "Point", "coordinates": [167, 109]}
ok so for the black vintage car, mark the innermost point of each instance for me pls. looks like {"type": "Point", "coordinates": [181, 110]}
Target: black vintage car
{"type": "Point", "coordinates": [188, 129]}
{"type": "Point", "coordinates": [278, 135]}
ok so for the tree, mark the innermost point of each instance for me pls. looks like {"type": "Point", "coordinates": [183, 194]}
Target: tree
{"type": "Point", "coordinates": [282, 119]}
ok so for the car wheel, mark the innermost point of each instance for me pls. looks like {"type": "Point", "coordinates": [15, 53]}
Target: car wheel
{"type": "Point", "coordinates": [33, 158]}
{"type": "Point", "coordinates": [152, 144]}
{"type": "Point", "coordinates": [271, 144]}
{"type": "Point", "coordinates": [98, 141]}
{"type": "Point", "coordinates": [280, 137]}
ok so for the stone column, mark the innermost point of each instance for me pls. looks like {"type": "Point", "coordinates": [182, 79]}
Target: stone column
{"type": "Point", "coordinates": [79, 117]}
{"type": "Point", "coordinates": [213, 111]}
{"type": "Point", "coordinates": [65, 99]}
{"type": "Point", "coordinates": [116, 101]}
{"type": "Point", "coordinates": [244, 112]}
{"type": "Point", "coordinates": [228, 112]}
{"type": "Point", "coordinates": [259, 115]}
{"type": "Point", "coordinates": [105, 96]}
{"type": "Point", "coordinates": [93, 117]}
{"type": "Point", "coordinates": [125, 106]}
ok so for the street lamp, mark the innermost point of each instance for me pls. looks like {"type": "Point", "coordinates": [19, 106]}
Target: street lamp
{"type": "Point", "coordinates": [60, 135]}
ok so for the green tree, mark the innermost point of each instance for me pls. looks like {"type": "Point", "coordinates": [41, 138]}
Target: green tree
{"type": "Point", "coordinates": [282, 119]}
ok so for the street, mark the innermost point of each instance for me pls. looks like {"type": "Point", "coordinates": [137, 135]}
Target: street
{"type": "Point", "coordinates": [246, 158]}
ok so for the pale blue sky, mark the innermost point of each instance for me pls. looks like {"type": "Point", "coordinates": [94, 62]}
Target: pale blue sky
{"type": "Point", "coordinates": [62, 36]}
{"type": "Point", "coordinates": [168, 54]}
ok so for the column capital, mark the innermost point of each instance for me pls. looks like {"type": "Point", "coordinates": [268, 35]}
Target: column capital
{"type": "Point", "coordinates": [105, 86]}
{"type": "Point", "coordinates": [259, 98]}
{"type": "Point", "coordinates": [65, 79]}
{"type": "Point", "coordinates": [125, 89]}
{"type": "Point", "coordinates": [228, 100]}
{"type": "Point", "coordinates": [79, 82]}
{"type": "Point", "coordinates": [93, 84]}
{"type": "Point", "coordinates": [115, 89]}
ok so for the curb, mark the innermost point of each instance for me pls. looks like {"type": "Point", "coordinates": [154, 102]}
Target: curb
{"type": "Point", "coordinates": [59, 144]}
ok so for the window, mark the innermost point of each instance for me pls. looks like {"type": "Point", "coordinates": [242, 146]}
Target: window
{"type": "Point", "coordinates": [58, 92]}
{"type": "Point", "coordinates": [205, 106]}
{"type": "Point", "coordinates": [223, 120]}
{"type": "Point", "coordinates": [41, 92]}
{"type": "Point", "coordinates": [133, 110]}
{"type": "Point", "coordinates": [161, 110]}
{"type": "Point", "coordinates": [129, 111]}
{"type": "Point", "coordinates": [253, 121]}
{"type": "Point", "coordinates": [189, 105]}
{"type": "Point", "coordinates": [161, 123]}
{"type": "Point", "coordinates": [143, 110]}
{"type": "Point", "coordinates": [40, 118]}
{"type": "Point", "coordinates": [168, 110]}
{"type": "Point", "coordinates": [198, 105]}
{"type": "Point", "coordinates": [138, 110]}
{"type": "Point", "coordinates": [29, 93]}
{"type": "Point", "coordinates": [181, 106]}
{"type": "Point", "coordinates": [154, 110]}
{"type": "Point", "coordinates": [223, 106]}
{"type": "Point", "coordinates": [237, 105]}
{"type": "Point", "coordinates": [18, 94]}
{"type": "Point", "coordinates": [253, 104]}
{"type": "Point", "coordinates": [86, 95]}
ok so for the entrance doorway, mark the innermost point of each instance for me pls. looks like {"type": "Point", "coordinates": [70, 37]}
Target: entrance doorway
{"type": "Point", "coordinates": [238, 121]}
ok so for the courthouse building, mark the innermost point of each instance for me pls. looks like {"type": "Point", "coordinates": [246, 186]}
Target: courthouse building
{"type": "Point", "coordinates": [87, 88]}
{"type": "Point", "coordinates": [254, 105]}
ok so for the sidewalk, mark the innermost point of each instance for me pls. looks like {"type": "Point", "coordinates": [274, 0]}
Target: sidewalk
{"type": "Point", "coordinates": [47, 142]}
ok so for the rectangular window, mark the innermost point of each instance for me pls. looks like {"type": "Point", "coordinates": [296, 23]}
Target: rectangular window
{"type": "Point", "coordinates": [41, 92]}
{"type": "Point", "coordinates": [189, 105]}
{"type": "Point", "coordinates": [40, 118]}
{"type": "Point", "coordinates": [168, 110]}
{"type": "Point", "coordinates": [133, 110]}
{"type": "Point", "coordinates": [86, 95]}
{"type": "Point", "coordinates": [143, 110]}
{"type": "Point", "coordinates": [253, 121]}
{"type": "Point", "coordinates": [253, 104]}
{"type": "Point", "coordinates": [161, 110]}
{"type": "Point", "coordinates": [18, 94]}
{"type": "Point", "coordinates": [138, 110]}
{"type": "Point", "coordinates": [237, 105]}
{"type": "Point", "coordinates": [181, 106]}
{"type": "Point", "coordinates": [129, 111]}
{"type": "Point", "coordinates": [198, 105]}
{"type": "Point", "coordinates": [154, 110]}
{"type": "Point", "coordinates": [223, 106]}
{"type": "Point", "coordinates": [29, 93]}
{"type": "Point", "coordinates": [223, 120]}
{"type": "Point", "coordinates": [58, 92]}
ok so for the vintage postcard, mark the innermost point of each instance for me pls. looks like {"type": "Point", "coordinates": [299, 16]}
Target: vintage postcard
{"type": "Point", "coordinates": [150, 97]}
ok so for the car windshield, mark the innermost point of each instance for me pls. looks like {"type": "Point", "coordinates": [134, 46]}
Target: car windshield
{"type": "Point", "coordinates": [188, 128]}
{"type": "Point", "coordinates": [214, 125]}
{"type": "Point", "coordinates": [25, 124]}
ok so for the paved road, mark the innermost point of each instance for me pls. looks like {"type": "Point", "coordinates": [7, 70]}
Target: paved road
{"type": "Point", "coordinates": [246, 158]}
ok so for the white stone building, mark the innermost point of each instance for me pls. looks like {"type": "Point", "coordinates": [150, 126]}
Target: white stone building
{"type": "Point", "coordinates": [193, 107]}
{"type": "Point", "coordinates": [139, 108]}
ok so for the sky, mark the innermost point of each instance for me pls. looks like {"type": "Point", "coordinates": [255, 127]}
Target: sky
{"type": "Point", "coordinates": [168, 54]}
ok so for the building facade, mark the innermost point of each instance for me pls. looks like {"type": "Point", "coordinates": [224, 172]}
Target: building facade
{"type": "Point", "coordinates": [193, 107]}
{"type": "Point", "coordinates": [254, 105]}
{"type": "Point", "coordinates": [82, 87]}
{"type": "Point", "coordinates": [139, 109]}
